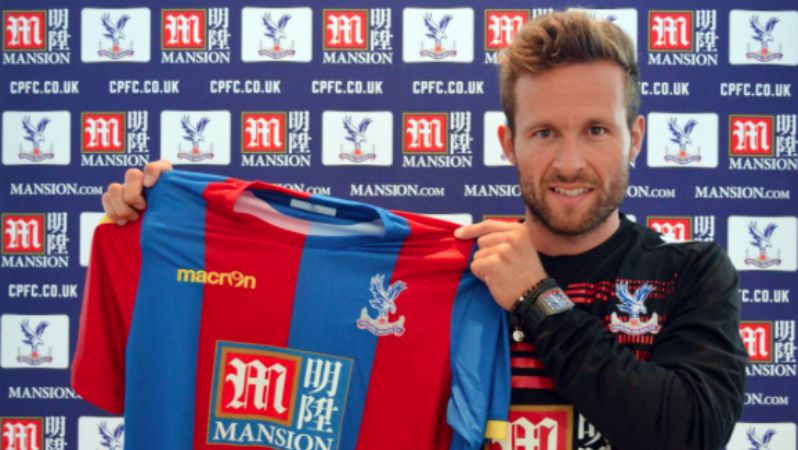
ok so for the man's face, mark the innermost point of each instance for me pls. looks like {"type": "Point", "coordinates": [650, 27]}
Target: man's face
{"type": "Point", "coordinates": [572, 146]}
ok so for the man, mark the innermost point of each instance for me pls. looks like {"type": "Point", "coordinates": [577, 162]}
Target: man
{"type": "Point", "coordinates": [650, 356]}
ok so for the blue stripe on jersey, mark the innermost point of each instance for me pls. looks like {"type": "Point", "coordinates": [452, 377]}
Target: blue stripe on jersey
{"type": "Point", "coordinates": [479, 343]}
{"type": "Point", "coordinates": [317, 323]}
{"type": "Point", "coordinates": [161, 354]}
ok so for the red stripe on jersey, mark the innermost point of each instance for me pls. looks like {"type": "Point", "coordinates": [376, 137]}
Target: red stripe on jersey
{"type": "Point", "coordinates": [522, 347]}
{"type": "Point", "coordinates": [257, 316]}
{"type": "Point", "coordinates": [413, 370]}
{"type": "Point", "coordinates": [526, 363]}
{"type": "Point", "coordinates": [531, 382]}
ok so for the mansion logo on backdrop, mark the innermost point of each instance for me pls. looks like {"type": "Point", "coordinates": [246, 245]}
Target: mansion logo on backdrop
{"type": "Point", "coordinates": [437, 139]}
{"type": "Point", "coordinates": [683, 228]}
{"type": "Point", "coordinates": [292, 392]}
{"type": "Point", "coordinates": [115, 35]}
{"type": "Point", "coordinates": [114, 139]}
{"type": "Point", "coordinates": [275, 139]}
{"type": "Point", "coordinates": [499, 28]}
{"type": "Point", "coordinates": [36, 37]}
{"type": "Point", "coordinates": [34, 240]}
{"type": "Point", "coordinates": [770, 346]}
{"type": "Point", "coordinates": [762, 436]}
{"type": "Point", "coordinates": [438, 35]}
{"type": "Point", "coordinates": [199, 36]}
{"type": "Point", "coordinates": [357, 138]}
{"type": "Point", "coordinates": [491, 146]}
{"type": "Point", "coordinates": [33, 433]}
{"type": "Point", "coordinates": [276, 34]}
{"type": "Point", "coordinates": [683, 38]}
{"type": "Point", "coordinates": [624, 18]}
{"type": "Point", "coordinates": [101, 433]}
{"type": "Point", "coordinates": [682, 140]}
{"type": "Point", "coordinates": [36, 137]}
{"type": "Point", "coordinates": [34, 342]}
{"type": "Point", "coordinates": [357, 36]}
{"type": "Point", "coordinates": [762, 142]}
{"type": "Point", "coordinates": [763, 243]}
{"type": "Point", "coordinates": [196, 137]}
{"type": "Point", "coordinates": [763, 37]}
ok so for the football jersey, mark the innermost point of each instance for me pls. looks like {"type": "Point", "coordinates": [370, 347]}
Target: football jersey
{"type": "Point", "coordinates": [244, 314]}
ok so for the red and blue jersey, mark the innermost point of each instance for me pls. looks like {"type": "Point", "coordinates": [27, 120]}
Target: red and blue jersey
{"type": "Point", "coordinates": [243, 314]}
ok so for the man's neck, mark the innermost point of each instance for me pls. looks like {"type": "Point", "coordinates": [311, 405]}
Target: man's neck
{"type": "Point", "coordinates": [554, 244]}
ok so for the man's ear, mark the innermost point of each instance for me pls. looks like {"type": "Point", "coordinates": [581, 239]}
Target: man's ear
{"type": "Point", "coordinates": [506, 140]}
{"type": "Point", "coordinates": [638, 131]}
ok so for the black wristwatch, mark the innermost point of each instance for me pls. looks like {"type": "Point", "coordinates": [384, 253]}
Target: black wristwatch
{"type": "Point", "coordinates": [544, 299]}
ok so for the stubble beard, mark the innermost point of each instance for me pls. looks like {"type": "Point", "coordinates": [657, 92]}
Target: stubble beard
{"type": "Point", "coordinates": [574, 224]}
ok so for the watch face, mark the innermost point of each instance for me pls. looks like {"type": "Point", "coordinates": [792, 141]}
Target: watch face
{"type": "Point", "coordinates": [555, 300]}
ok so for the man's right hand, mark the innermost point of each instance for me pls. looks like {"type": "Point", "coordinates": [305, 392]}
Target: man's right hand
{"type": "Point", "coordinates": [123, 202]}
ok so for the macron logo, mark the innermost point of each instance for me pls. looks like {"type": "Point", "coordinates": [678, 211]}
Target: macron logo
{"type": "Point", "coordinates": [234, 279]}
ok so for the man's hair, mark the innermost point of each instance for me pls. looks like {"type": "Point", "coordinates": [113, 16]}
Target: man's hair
{"type": "Point", "coordinates": [562, 38]}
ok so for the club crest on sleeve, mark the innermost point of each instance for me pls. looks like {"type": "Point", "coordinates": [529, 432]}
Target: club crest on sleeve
{"type": "Point", "coordinates": [384, 301]}
{"type": "Point", "coordinates": [633, 304]}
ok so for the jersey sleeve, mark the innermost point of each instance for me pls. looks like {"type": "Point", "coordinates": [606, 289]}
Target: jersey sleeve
{"type": "Point", "coordinates": [98, 367]}
{"type": "Point", "coordinates": [480, 398]}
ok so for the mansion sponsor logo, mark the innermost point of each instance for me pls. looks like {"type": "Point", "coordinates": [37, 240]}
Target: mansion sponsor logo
{"type": "Point", "coordinates": [683, 228]}
{"type": "Point", "coordinates": [275, 139]}
{"type": "Point", "coordinates": [33, 433]}
{"type": "Point", "coordinates": [276, 34]}
{"type": "Point", "coordinates": [762, 436]}
{"type": "Point", "coordinates": [41, 393]}
{"type": "Point", "coordinates": [763, 243]}
{"type": "Point", "coordinates": [357, 36]}
{"type": "Point", "coordinates": [437, 139]}
{"type": "Point", "coordinates": [277, 397]}
{"type": "Point", "coordinates": [115, 35]}
{"type": "Point", "coordinates": [499, 28]}
{"type": "Point", "coordinates": [770, 346]}
{"type": "Point", "coordinates": [763, 37]}
{"type": "Point", "coordinates": [765, 295]}
{"type": "Point", "coordinates": [395, 190]}
{"type": "Point", "coordinates": [36, 37]}
{"type": "Point", "coordinates": [760, 399]}
{"type": "Point", "coordinates": [741, 193]}
{"type": "Point", "coordinates": [34, 342]}
{"type": "Point", "coordinates": [624, 18]}
{"type": "Point", "coordinates": [196, 137]}
{"type": "Point", "coordinates": [538, 427]}
{"type": "Point", "coordinates": [682, 140]}
{"type": "Point", "coordinates": [682, 38]}
{"type": "Point", "coordinates": [645, 191]}
{"type": "Point", "coordinates": [89, 221]}
{"type": "Point", "coordinates": [36, 138]}
{"type": "Point", "coordinates": [763, 142]}
{"type": "Point", "coordinates": [101, 433]}
{"type": "Point", "coordinates": [492, 190]}
{"type": "Point", "coordinates": [491, 146]}
{"type": "Point", "coordinates": [357, 138]}
{"type": "Point", "coordinates": [195, 36]}
{"type": "Point", "coordinates": [114, 139]}
{"type": "Point", "coordinates": [34, 240]}
{"type": "Point", "coordinates": [438, 35]}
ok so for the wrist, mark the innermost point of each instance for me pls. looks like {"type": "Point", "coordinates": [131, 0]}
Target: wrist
{"type": "Point", "coordinates": [542, 300]}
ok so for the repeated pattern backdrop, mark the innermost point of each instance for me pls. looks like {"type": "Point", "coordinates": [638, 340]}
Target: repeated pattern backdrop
{"type": "Point", "coordinates": [391, 103]}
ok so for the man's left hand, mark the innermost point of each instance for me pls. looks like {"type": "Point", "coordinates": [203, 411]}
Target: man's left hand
{"type": "Point", "coordinates": [507, 260]}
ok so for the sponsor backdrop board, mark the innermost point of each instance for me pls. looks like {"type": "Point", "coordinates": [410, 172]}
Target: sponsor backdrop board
{"type": "Point", "coordinates": [392, 103]}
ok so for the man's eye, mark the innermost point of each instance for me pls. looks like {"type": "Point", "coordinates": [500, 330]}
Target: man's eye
{"type": "Point", "coordinates": [543, 133]}
{"type": "Point", "coordinates": [597, 131]}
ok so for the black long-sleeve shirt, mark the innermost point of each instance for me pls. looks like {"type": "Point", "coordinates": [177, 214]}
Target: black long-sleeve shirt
{"type": "Point", "coordinates": [650, 357]}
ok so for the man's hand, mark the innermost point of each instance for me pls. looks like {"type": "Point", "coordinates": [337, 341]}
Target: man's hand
{"type": "Point", "coordinates": [123, 202]}
{"type": "Point", "coordinates": [507, 261]}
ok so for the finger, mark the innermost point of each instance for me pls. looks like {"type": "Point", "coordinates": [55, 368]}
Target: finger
{"type": "Point", "coordinates": [123, 210]}
{"type": "Point", "coordinates": [478, 229]}
{"type": "Point", "coordinates": [133, 189]}
{"type": "Point", "coordinates": [495, 238]}
{"type": "Point", "coordinates": [108, 207]}
{"type": "Point", "coordinates": [153, 171]}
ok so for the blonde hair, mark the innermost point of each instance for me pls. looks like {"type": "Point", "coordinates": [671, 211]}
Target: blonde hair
{"type": "Point", "coordinates": [561, 38]}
